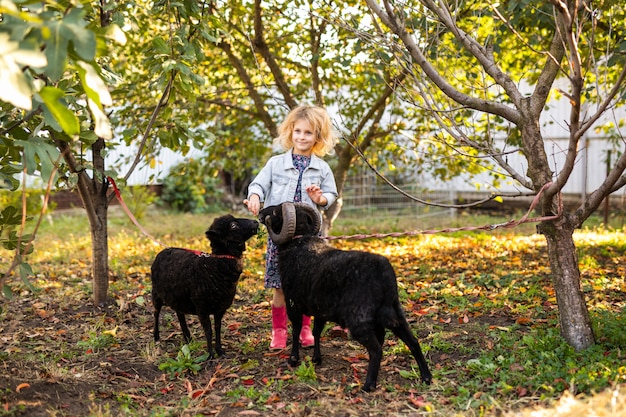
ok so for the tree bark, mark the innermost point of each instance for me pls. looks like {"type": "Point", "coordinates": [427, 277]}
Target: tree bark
{"type": "Point", "coordinates": [98, 221]}
{"type": "Point", "coordinates": [93, 193]}
{"type": "Point", "coordinates": [574, 318]}
{"type": "Point", "coordinates": [100, 249]}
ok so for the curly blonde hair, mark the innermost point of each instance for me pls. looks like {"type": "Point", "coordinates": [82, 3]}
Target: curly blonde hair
{"type": "Point", "coordinates": [326, 137]}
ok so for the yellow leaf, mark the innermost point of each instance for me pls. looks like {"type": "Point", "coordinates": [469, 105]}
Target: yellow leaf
{"type": "Point", "coordinates": [112, 332]}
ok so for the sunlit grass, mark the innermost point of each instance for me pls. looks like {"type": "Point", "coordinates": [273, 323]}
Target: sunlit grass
{"type": "Point", "coordinates": [483, 302]}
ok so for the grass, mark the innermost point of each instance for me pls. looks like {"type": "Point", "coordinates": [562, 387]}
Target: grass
{"type": "Point", "coordinates": [481, 302]}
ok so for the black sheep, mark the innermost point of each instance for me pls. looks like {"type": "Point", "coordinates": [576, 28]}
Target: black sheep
{"type": "Point", "coordinates": [193, 282]}
{"type": "Point", "coordinates": [355, 289]}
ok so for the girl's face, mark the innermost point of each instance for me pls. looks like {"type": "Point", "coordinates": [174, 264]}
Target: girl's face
{"type": "Point", "coordinates": [303, 137]}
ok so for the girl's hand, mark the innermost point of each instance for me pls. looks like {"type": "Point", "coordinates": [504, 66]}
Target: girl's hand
{"type": "Point", "coordinates": [253, 204]}
{"type": "Point", "coordinates": [315, 193]}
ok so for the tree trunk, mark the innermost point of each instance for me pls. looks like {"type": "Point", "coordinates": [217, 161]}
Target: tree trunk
{"type": "Point", "coordinates": [93, 193]}
{"type": "Point", "coordinates": [100, 250]}
{"type": "Point", "coordinates": [573, 315]}
{"type": "Point", "coordinates": [98, 221]}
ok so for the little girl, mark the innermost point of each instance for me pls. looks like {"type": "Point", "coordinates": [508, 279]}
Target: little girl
{"type": "Point", "coordinates": [307, 134]}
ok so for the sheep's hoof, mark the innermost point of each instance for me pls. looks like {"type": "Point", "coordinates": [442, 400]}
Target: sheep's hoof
{"type": "Point", "coordinates": [317, 360]}
{"type": "Point", "coordinates": [293, 360]}
{"type": "Point", "coordinates": [369, 386]}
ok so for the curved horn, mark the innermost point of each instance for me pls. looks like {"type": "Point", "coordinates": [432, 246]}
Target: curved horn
{"type": "Point", "coordinates": [314, 215]}
{"type": "Point", "coordinates": [289, 225]}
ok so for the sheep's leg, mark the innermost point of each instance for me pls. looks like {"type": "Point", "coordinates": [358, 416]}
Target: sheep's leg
{"type": "Point", "coordinates": [158, 304]}
{"type": "Point", "coordinates": [368, 337]}
{"type": "Point", "coordinates": [318, 327]}
{"type": "Point", "coordinates": [380, 334]}
{"type": "Point", "coordinates": [183, 327]}
{"type": "Point", "coordinates": [403, 331]}
{"type": "Point", "coordinates": [205, 320]}
{"type": "Point", "coordinates": [296, 326]}
{"type": "Point", "coordinates": [218, 333]}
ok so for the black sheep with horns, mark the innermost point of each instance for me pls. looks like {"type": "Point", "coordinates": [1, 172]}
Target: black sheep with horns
{"type": "Point", "coordinates": [355, 289]}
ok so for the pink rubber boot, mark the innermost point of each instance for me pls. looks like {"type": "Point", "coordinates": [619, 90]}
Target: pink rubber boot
{"type": "Point", "coordinates": [306, 337]}
{"type": "Point", "coordinates": [279, 328]}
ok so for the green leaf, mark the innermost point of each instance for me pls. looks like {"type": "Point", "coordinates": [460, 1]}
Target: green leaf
{"type": "Point", "coordinates": [10, 216]}
{"type": "Point", "coordinates": [53, 99]}
{"type": "Point", "coordinates": [25, 272]}
{"type": "Point", "coordinates": [6, 291]}
{"type": "Point", "coordinates": [83, 40]}
{"type": "Point", "coordinates": [38, 154]}
{"type": "Point", "coordinates": [56, 51]}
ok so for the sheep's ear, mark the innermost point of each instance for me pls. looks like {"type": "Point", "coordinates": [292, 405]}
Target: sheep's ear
{"type": "Point", "coordinates": [289, 224]}
{"type": "Point", "coordinates": [314, 218]}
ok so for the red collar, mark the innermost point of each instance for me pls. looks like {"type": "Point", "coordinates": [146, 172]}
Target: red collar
{"type": "Point", "coordinates": [211, 255]}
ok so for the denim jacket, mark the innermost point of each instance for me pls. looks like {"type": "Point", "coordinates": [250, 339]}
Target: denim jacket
{"type": "Point", "coordinates": [277, 181]}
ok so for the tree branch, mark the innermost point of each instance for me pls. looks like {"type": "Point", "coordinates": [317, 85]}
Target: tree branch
{"type": "Point", "coordinates": [252, 91]}
{"type": "Point", "coordinates": [478, 51]}
{"type": "Point", "coordinates": [593, 201]}
{"type": "Point", "coordinates": [565, 22]}
{"type": "Point", "coordinates": [261, 46]}
{"type": "Point", "coordinates": [397, 26]}
{"type": "Point", "coordinates": [161, 104]}
{"type": "Point", "coordinates": [462, 138]}
{"type": "Point", "coordinates": [617, 88]}
{"type": "Point", "coordinates": [85, 187]}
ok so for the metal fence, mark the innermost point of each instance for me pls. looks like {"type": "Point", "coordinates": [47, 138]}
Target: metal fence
{"type": "Point", "coordinates": [367, 196]}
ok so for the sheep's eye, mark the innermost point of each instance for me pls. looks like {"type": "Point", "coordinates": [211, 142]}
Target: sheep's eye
{"type": "Point", "coordinates": [234, 226]}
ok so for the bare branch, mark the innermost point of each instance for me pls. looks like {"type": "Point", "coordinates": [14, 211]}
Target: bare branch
{"type": "Point", "coordinates": [397, 26]}
{"type": "Point", "coordinates": [146, 134]}
{"type": "Point", "coordinates": [462, 138]}
{"type": "Point", "coordinates": [85, 187]}
{"type": "Point", "coordinates": [548, 74]}
{"type": "Point", "coordinates": [614, 180]}
{"type": "Point", "coordinates": [565, 20]}
{"type": "Point", "coordinates": [617, 88]}
{"type": "Point", "coordinates": [404, 193]}
{"type": "Point", "coordinates": [478, 51]}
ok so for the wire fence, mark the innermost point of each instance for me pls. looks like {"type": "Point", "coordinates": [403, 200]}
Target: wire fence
{"type": "Point", "coordinates": [367, 198]}
{"type": "Point", "coordinates": [364, 196]}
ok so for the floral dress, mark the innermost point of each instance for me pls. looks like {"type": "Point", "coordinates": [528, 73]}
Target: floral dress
{"type": "Point", "coordinates": [272, 277]}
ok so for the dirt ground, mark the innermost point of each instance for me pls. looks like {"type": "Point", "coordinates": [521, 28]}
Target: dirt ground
{"type": "Point", "coordinates": [48, 369]}
{"type": "Point", "coordinates": [60, 356]}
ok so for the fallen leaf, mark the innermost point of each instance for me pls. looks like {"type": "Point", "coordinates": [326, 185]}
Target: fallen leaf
{"type": "Point", "coordinates": [22, 386]}
{"type": "Point", "coordinates": [197, 393]}
{"type": "Point", "coordinates": [417, 401]}
{"type": "Point", "coordinates": [234, 326]}
{"type": "Point", "coordinates": [112, 332]}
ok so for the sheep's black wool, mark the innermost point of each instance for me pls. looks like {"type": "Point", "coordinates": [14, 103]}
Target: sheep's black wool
{"type": "Point", "coordinates": [355, 289]}
{"type": "Point", "coordinates": [193, 282]}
